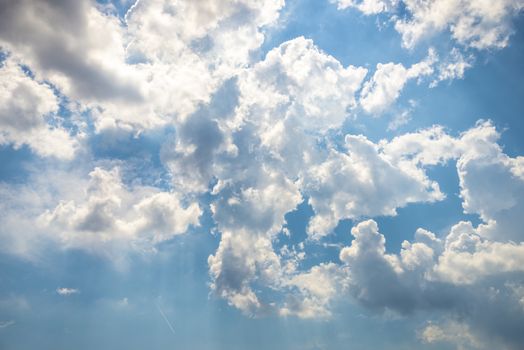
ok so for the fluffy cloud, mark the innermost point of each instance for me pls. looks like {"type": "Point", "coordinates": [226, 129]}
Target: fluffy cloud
{"type": "Point", "coordinates": [126, 74]}
{"type": "Point", "coordinates": [99, 214]}
{"type": "Point", "coordinates": [249, 214]}
{"type": "Point", "coordinates": [286, 102]}
{"type": "Point", "coordinates": [26, 105]}
{"type": "Point", "coordinates": [453, 67]}
{"type": "Point", "coordinates": [472, 23]}
{"type": "Point", "coordinates": [473, 274]}
{"type": "Point", "coordinates": [109, 212]}
{"type": "Point", "coordinates": [298, 82]}
{"type": "Point", "coordinates": [388, 81]}
{"type": "Point", "coordinates": [366, 180]}
{"type": "Point", "coordinates": [481, 168]}
{"type": "Point", "coordinates": [477, 289]}
{"type": "Point", "coordinates": [469, 258]}
{"type": "Point", "coordinates": [257, 139]}
{"type": "Point", "coordinates": [362, 183]}
{"type": "Point", "coordinates": [368, 7]}
{"type": "Point", "coordinates": [313, 291]}
{"type": "Point", "coordinates": [75, 46]}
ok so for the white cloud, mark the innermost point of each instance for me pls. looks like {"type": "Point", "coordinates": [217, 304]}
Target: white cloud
{"type": "Point", "coordinates": [249, 213]}
{"type": "Point", "coordinates": [492, 184]}
{"type": "Point", "coordinates": [362, 182]}
{"type": "Point", "coordinates": [304, 84]}
{"type": "Point", "coordinates": [256, 139]}
{"type": "Point", "coordinates": [368, 7]}
{"type": "Point", "coordinates": [469, 258]}
{"type": "Point", "coordinates": [375, 179]}
{"type": "Point", "coordinates": [470, 274]}
{"type": "Point", "coordinates": [99, 214]}
{"type": "Point", "coordinates": [475, 23]}
{"type": "Point", "coordinates": [25, 104]}
{"type": "Point", "coordinates": [388, 81]}
{"type": "Point", "coordinates": [453, 67]}
{"type": "Point", "coordinates": [209, 43]}
{"type": "Point", "coordinates": [75, 46]}
{"type": "Point", "coordinates": [67, 291]}
{"type": "Point", "coordinates": [451, 332]}
{"type": "Point", "coordinates": [108, 212]}
{"type": "Point", "coordinates": [429, 146]}
{"type": "Point", "coordinates": [127, 74]}
{"type": "Point", "coordinates": [476, 288]}
{"type": "Point", "coordinates": [316, 289]}
{"type": "Point", "coordinates": [296, 91]}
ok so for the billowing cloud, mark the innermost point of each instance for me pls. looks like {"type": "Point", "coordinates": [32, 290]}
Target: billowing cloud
{"type": "Point", "coordinates": [28, 114]}
{"type": "Point", "coordinates": [467, 278]}
{"type": "Point", "coordinates": [68, 44]}
{"type": "Point", "coordinates": [362, 183]}
{"type": "Point", "coordinates": [129, 79]}
{"type": "Point", "coordinates": [470, 273]}
{"type": "Point", "coordinates": [473, 23]}
{"type": "Point", "coordinates": [99, 214]}
{"type": "Point", "coordinates": [388, 81]}
{"type": "Point", "coordinates": [108, 211]}
{"type": "Point", "coordinates": [245, 141]}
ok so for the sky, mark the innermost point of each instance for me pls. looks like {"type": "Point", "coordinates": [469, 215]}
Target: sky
{"type": "Point", "coordinates": [261, 174]}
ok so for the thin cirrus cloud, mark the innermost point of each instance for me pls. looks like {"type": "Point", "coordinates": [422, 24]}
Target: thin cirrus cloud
{"type": "Point", "coordinates": [251, 134]}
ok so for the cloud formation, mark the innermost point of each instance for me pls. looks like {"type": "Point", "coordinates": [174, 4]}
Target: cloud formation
{"type": "Point", "coordinates": [248, 134]}
{"type": "Point", "coordinates": [67, 291]}
{"type": "Point", "coordinates": [28, 109]}
{"type": "Point", "coordinates": [472, 23]}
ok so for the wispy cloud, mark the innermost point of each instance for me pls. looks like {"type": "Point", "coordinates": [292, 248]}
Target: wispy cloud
{"type": "Point", "coordinates": [5, 324]}
{"type": "Point", "coordinates": [67, 291]}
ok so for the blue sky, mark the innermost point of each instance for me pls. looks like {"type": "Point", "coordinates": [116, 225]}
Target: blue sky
{"type": "Point", "coordinates": [261, 174]}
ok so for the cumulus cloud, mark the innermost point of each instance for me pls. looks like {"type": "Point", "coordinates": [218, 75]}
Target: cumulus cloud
{"type": "Point", "coordinates": [389, 79]}
{"type": "Point", "coordinates": [256, 139]}
{"type": "Point", "coordinates": [362, 182]}
{"type": "Point", "coordinates": [69, 45]}
{"type": "Point", "coordinates": [26, 105]}
{"type": "Point", "coordinates": [310, 87]}
{"type": "Point", "coordinates": [453, 67]}
{"type": "Point", "coordinates": [315, 290]}
{"type": "Point", "coordinates": [133, 78]}
{"type": "Point", "coordinates": [109, 212]}
{"type": "Point", "coordinates": [472, 23]}
{"type": "Point", "coordinates": [305, 93]}
{"type": "Point", "coordinates": [473, 274]}
{"type": "Point", "coordinates": [481, 168]}
{"type": "Point", "coordinates": [480, 293]}
{"type": "Point", "coordinates": [368, 7]}
{"type": "Point", "coordinates": [99, 214]}
{"type": "Point", "coordinates": [365, 180]}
